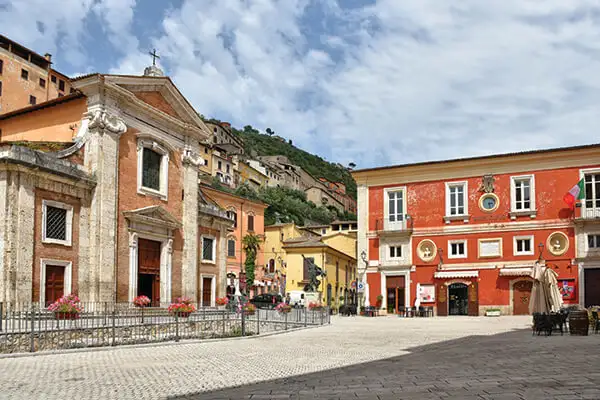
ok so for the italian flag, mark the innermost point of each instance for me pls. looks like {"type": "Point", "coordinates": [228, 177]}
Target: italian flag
{"type": "Point", "coordinates": [577, 192]}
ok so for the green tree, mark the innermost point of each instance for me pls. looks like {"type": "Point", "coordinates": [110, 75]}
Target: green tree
{"type": "Point", "coordinates": [270, 132]}
{"type": "Point", "coordinates": [251, 245]}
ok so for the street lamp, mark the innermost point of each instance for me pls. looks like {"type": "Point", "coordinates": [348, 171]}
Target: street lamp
{"type": "Point", "coordinates": [363, 257]}
{"type": "Point", "coordinates": [441, 253]}
{"type": "Point", "coordinates": [541, 249]}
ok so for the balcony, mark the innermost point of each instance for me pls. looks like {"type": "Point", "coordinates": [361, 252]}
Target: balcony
{"type": "Point", "coordinates": [213, 211]}
{"type": "Point", "coordinates": [384, 227]}
{"type": "Point", "coordinates": [588, 214]}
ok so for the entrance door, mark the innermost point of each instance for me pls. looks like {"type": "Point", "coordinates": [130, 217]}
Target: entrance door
{"type": "Point", "coordinates": [149, 270]}
{"type": "Point", "coordinates": [592, 287]}
{"type": "Point", "coordinates": [395, 292]}
{"type": "Point", "coordinates": [521, 296]}
{"type": "Point", "coordinates": [55, 283]}
{"type": "Point", "coordinates": [458, 299]}
{"type": "Point", "coordinates": [206, 291]}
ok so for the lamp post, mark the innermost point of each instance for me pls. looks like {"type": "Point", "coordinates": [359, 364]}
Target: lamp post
{"type": "Point", "coordinates": [541, 249]}
{"type": "Point", "coordinates": [363, 257]}
{"type": "Point", "coordinates": [441, 253]}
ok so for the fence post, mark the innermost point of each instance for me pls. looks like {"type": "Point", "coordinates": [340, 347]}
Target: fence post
{"type": "Point", "coordinates": [329, 318]}
{"type": "Point", "coordinates": [1, 314]}
{"type": "Point", "coordinates": [224, 311]}
{"type": "Point", "coordinates": [258, 321]}
{"type": "Point", "coordinates": [305, 317]}
{"type": "Point", "coordinates": [113, 327]}
{"type": "Point", "coordinates": [286, 316]}
{"type": "Point", "coordinates": [32, 342]}
{"type": "Point", "coordinates": [243, 322]}
{"type": "Point", "coordinates": [176, 326]}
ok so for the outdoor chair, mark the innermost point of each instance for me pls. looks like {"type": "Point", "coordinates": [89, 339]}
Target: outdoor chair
{"type": "Point", "coordinates": [401, 311]}
{"type": "Point", "coordinates": [542, 323]}
{"type": "Point", "coordinates": [557, 322]}
{"type": "Point", "coordinates": [410, 312]}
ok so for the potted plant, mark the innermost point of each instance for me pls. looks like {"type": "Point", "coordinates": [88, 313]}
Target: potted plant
{"type": "Point", "coordinates": [283, 308]}
{"type": "Point", "coordinates": [222, 301]}
{"type": "Point", "coordinates": [182, 307]}
{"type": "Point", "coordinates": [141, 301]}
{"type": "Point", "coordinates": [315, 306]}
{"type": "Point", "coordinates": [492, 312]}
{"type": "Point", "coordinates": [379, 301]}
{"type": "Point", "coordinates": [67, 307]}
{"type": "Point", "coordinates": [249, 309]}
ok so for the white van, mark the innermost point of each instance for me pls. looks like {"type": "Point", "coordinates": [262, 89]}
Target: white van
{"type": "Point", "coordinates": [299, 298]}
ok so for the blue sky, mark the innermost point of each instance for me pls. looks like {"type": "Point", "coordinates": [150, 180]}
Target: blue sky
{"type": "Point", "coordinates": [375, 82]}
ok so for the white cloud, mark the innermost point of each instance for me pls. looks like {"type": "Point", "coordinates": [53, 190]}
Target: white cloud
{"type": "Point", "coordinates": [399, 81]}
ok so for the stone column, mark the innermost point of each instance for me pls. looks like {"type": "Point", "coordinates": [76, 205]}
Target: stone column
{"type": "Point", "coordinates": [102, 160]}
{"type": "Point", "coordinates": [17, 217]}
{"type": "Point", "coordinates": [222, 267]}
{"type": "Point", "coordinates": [189, 268]}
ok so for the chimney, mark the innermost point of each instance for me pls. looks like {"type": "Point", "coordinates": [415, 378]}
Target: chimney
{"type": "Point", "coordinates": [48, 57]}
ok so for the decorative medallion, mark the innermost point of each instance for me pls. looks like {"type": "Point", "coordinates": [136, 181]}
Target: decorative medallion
{"type": "Point", "coordinates": [487, 184]}
{"type": "Point", "coordinates": [489, 202]}
{"type": "Point", "coordinates": [558, 243]}
{"type": "Point", "coordinates": [427, 250]}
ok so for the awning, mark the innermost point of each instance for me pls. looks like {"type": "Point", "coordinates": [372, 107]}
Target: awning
{"type": "Point", "coordinates": [456, 274]}
{"type": "Point", "coordinates": [523, 271]}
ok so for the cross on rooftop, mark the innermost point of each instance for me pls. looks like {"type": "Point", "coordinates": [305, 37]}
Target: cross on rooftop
{"type": "Point", "coordinates": [154, 56]}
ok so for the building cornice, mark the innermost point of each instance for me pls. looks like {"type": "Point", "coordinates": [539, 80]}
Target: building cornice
{"type": "Point", "coordinates": [475, 167]}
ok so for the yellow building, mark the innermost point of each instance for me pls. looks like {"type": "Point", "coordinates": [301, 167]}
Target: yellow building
{"type": "Point", "coordinates": [253, 177]}
{"type": "Point", "coordinates": [284, 246]}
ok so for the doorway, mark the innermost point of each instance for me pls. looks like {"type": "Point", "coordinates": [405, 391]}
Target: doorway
{"type": "Point", "coordinates": [592, 287]}
{"type": "Point", "coordinates": [395, 293]}
{"type": "Point", "coordinates": [55, 283]}
{"type": "Point", "coordinates": [521, 295]}
{"type": "Point", "coordinates": [206, 292]}
{"type": "Point", "coordinates": [149, 270]}
{"type": "Point", "coordinates": [458, 299]}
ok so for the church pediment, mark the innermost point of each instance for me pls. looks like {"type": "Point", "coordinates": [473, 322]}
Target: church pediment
{"type": "Point", "coordinates": [153, 215]}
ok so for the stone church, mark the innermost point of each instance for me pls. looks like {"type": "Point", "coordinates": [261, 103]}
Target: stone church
{"type": "Point", "coordinates": [100, 196]}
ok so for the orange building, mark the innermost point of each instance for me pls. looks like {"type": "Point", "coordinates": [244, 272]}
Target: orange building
{"type": "Point", "coordinates": [463, 235]}
{"type": "Point", "coordinates": [27, 78]}
{"type": "Point", "coordinates": [249, 218]}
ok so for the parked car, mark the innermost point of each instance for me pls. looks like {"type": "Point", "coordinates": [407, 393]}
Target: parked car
{"type": "Point", "coordinates": [267, 300]}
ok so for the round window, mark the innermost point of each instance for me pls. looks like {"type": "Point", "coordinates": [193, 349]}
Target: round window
{"type": "Point", "coordinates": [489, 202]}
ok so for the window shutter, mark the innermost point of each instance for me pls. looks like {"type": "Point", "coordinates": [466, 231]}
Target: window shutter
{"type": "Point", "coordinates": [251, 222]}
{"type": "Point", "coordinates": [231, 248]}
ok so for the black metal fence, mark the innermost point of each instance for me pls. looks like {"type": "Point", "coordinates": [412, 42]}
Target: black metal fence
{"type": "Point", "coordinates": [31, 328]}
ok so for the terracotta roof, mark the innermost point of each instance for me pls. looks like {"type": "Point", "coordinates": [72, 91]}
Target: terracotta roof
{"type": "Point", "coordinates": [49, 103]}
{"type": "Point", "coordinates": [204, 186]}
{"type": "Point", "coordinates": [306, 243]}
{"type": "Point", "coordinates": [520, 153]}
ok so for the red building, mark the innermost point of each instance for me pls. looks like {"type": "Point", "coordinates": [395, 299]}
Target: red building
{"type": "Point", "coordinates": [463, 235]}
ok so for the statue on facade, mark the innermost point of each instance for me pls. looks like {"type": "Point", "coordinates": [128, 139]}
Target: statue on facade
{"type": "Point", "coordinates": [487, 184]}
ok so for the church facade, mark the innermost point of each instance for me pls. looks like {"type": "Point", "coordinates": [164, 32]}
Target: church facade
{"type": "Point", "coordinates": [101, 196]}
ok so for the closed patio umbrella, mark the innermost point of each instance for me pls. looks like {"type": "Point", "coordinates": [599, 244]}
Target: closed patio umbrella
{"type": "Point", "coordinates": [551, 284]}
{"type": "Point", "coordinates": [367, 303]}
{"type": "Point", "coordinates": [539, 301]}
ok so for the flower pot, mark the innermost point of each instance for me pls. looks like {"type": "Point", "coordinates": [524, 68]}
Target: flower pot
{"type": "Point", "coordinates": [66, 315]}
{"type": "Point", "coordinates": [183, 314]}
{"type": "Point", "coordinates": [378, 304]}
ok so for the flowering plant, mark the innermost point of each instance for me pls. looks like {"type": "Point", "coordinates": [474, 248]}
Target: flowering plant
{"type": "Point", "coordinates": [283, 308]}
{"type": "Point", "coordinates": [141, 301]}
{"type": "Point", "coordinates": [315, 305]}
{"type": "Point", "coordinates": [249, 309]}
{"type": "Point", "coordinates": [182, 305]}
{"type": "Point", "coordinates": [68, 304]}
{"type": "Point", "coordinates": [222, 301]}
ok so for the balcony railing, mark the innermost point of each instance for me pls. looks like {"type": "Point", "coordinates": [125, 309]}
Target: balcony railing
{"type": "Point", "coordinates": [212, 210]}
{"type": "Point", "coordinates": [383, 225]}
{"type": "Point", "coordinates": [590, 213]}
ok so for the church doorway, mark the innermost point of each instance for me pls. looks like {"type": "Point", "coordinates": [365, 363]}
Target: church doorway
{"type": "Point", "coordinates": [458, 299]}
{"type": "Point", "coordinates": [149, 270]}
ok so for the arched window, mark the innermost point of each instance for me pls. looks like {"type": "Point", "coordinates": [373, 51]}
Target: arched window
{"type": "Point", "coordinates": [271, 266]}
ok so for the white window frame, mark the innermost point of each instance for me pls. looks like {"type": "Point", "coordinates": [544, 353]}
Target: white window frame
{"type": "Point", "coordinates": [396, 258]}
{"type": "Point", "coordinates": [587, 243]}
{"type": "Point", "coordinates": [396, 225]}
{"type": "Point", "coordinates": [451, 242]}
{"type": "Point", "coordinates": [214, 249]}
{"type": "Point", "coordinates": [164, 169]}
{"type": "Point", "coordinates": [69, 222]}
{"type": "Point", "coordinates": [68, 281]}
{"type": "Point", "coordinates": [531, 252]}
{"type": "Point", "coordinates": [465, 186]}
{"type": "Point", "coordinates": [513, 193]}
{"type": "Point", "coordinates": [582, 174]}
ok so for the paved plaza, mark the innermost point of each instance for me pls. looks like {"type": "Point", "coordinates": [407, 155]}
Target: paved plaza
{"type": "Point", "coordinates": [361, 358]}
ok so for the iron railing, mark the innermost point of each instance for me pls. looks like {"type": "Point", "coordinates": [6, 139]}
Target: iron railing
{"type": "Point", "coordinates": [29, 327]}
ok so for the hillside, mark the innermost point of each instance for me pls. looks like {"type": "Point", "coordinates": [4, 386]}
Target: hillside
{"type": "Point", "coordinates": [257, 144]}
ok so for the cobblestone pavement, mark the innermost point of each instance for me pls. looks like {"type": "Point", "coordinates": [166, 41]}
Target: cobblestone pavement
{"type": "Point", "coordinates": [364, 358]}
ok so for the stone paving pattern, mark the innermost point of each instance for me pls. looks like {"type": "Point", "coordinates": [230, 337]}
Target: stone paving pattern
{"type": "Point", "coordinates": [354, 358]}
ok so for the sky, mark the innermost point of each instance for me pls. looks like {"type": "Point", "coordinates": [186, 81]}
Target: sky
{"type": "Point", "coordinates": [374, 82]}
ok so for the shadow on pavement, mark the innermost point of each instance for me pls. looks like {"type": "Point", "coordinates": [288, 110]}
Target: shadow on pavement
{"type": "Point", "coordinates": [511, 365]}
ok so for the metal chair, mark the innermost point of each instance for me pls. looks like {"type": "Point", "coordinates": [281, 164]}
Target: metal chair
{"type": "Point", "coordinates": [596, 321]}
{"type": "Point", "coordinates": [401, 311]}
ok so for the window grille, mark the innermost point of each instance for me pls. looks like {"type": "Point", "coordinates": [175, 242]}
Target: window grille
{"type": "Point", "coordinates": [56, 223]}
{"type": "Point", "coordinates": [231, 248]}
{"type": "Point", "coordinates": [151, 169]}
{"type": "Point", "coordinates": [207, 249]}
